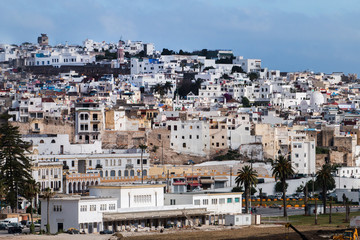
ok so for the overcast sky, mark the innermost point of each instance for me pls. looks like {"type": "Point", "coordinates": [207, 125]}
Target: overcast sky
{"type": "Point", "coordinates": [289, 35]}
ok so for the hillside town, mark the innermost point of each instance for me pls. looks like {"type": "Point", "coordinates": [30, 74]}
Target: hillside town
{"type": "Point", "coordinates": [124, 137]}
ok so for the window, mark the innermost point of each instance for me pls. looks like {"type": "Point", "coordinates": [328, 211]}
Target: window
{"type": "Point", "coordinates": [205, 201]}
{"type": "Point", "coordinates": [57, 208]}
{"type": "Point", "coordinates": [196, 202]}
{"type": "Point", "coordinates": [112, 206]}
{"type": "Point", "coordinates": [214, 201]}
{"type": "Point", "coordinates": [175, 127]}
{"type": "Point", "coordinates": [237, 199]}
{"type": "Point", "coordinates": [296, 155]}
{"type": "Point", "coordinates": [229, 200]}
{"type": "Point", "coordinates": [83, 208]}
{"type": "Point", "coordinates": [184, 145]}
{"type": "Point", "coordinates": [221, 200]}
{"type": "Point", "coordinates": [103, 207]}
{"type": "Point", "coordinates": [92, 208]}
{"type": "Point", "coordinates": [172, 202]}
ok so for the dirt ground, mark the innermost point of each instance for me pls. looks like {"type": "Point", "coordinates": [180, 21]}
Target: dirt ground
{"type": "Point", "coordinates": [263, 232]}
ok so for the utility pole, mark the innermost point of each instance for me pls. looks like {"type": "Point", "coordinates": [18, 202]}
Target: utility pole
{"type": "Point", "coordinates": [230, 176]}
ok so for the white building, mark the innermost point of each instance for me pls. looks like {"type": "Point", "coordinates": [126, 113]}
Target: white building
{"type": "Point", "coordinates": [190, 137]}
{"type": "Point", "coordinates": [76, 212]}
{"type": "Point", "coordinates": [303, 156]}
{"type": "Point", "coordinates": [248, 65]}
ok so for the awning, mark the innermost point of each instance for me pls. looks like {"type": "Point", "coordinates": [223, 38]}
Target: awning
{"type": "Point", "coordinates": [194, 184]}
{"type": "Point", "coordinates": [207, 181]}
{"type": "Point", "coordinates": [153, 214]}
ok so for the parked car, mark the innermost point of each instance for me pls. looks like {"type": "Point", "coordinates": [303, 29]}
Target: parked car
{"type": "Point", "coordinates": [275, 206]}
{"type": "Point", "coordinates": [14, 229]}
{"type": "Point", "coordinates": [3, 226]}
{"type": "Point", "coordinates": [73, 231]}
{"type": "Point", "coordinates": [106, 231]}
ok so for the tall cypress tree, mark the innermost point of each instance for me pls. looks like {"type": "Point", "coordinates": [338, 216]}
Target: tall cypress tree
{"type": "Point", "coordinates": [15, 166]}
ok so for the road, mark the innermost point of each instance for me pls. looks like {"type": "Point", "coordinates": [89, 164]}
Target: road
{"type": "Point", "coordinates": [276, 212]}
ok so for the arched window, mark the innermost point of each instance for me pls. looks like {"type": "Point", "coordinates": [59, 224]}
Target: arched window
{"type": "Point", "coordinates": [132, 172]}
{"type": "Point", "coordinates": [101, 174]}
{"type": "Point", "coordinates": [112, 173]}
{"type": "Point", "coordinates": [41, 141]}
{"type": "Point", "coordinates": [106, 174]}
{"type": "Point", "coordinates": [126, 173]}
{"type": "Point", "coordinates": [144, 172]}
{"type": "Point", "coordinates": [119, 173]}
{"type": "Point", "coordinates": [53, 141]}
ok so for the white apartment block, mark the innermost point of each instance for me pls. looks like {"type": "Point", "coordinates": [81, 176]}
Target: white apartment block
{"type": "Point", "coordinates": [303, 156]}
{"type": "Point", "coordinates": [190, 137]}
{"type": "Point", "coordinates": [248, 65]}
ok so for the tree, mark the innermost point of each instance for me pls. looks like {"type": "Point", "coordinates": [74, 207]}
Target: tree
{"type": "Point", "coordinates": [167, 86]}
{"type": "Point", "coordinates": [32, 189]}
{"type": "Point", "coordinates": [15, 166]}
{"type": "Point", "coordinates": [247, 177]}
{"type": "Point", "coordinates": [281, 170]}
{"type": "Point", "coordinates": [237, 69]}
{"type": "Point", "coordinates": [279, 186]}
{"type": "Point", "coordinates": [143, 148]}
{"type": "Point", "coordinates": [253, 76]}
{"type": "Point", "coordinates": [200, 64]}
{"type": "Point", "coordinates": [245, 102]}
{"type": "Point", "coordinates": [158, 88]}
{"type": "Point", "coordinates": [48, 194]}
{"type": "Point", "coordinates": [166, 51]}
{"type": "Point", "coordinates": [325, 180]}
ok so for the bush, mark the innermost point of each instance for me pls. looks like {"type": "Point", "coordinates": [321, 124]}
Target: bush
{"type": "Point", "coordinates": [32, 228]}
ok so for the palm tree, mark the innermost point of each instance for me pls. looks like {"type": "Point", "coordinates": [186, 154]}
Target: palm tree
{"type": "Point", "coordinates": [200, 64]}
{"type": "Point", "coordinates": [247, 177]}
{"type": "Point", "coordinates": [325, 179]}
{"type": "Point", "coordinates": [281, 170]}
{"type": "Point", "coordinates": [48, 194]}
{"type": "Point", "coordinates": [143, 148]}
{"type": "Point", "coordinates": [32, 190]}
{"type": "Point", "coordinates": [167, 86]}
{"type": "Point", "coordinates": [158, 88]}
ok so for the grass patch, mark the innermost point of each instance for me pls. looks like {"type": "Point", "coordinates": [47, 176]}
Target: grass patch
{"type": "Point", "coordinates": [323, 219]}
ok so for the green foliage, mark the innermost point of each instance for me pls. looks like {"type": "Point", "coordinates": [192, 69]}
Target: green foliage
{"type": "Point", "coordinates": [281, 170]}
{"type": "Point", "coordinates": [247, 177]}
{"type": "Point", "coordinates": [230, 155]}
{"type": "Point", "coordinates": [226, 76]}
{"type": "Point", "coordinates": [32, 228]}
{"type": "Point", "coordinates": [245, 102]}
{"type": "Point", "coordinates": [326, 181]}
{"type": "Point", "coordinates": [108, 55]}
{"type": "Point", "coordinates": [166, 51]}
{"type": "Point", "coordinates": [162, 89]}
{"type": "Point", "coordinates": [321, 150]}
{"type": "Point", "coordinates": [224, 61]}
{"type": "Point", "coordinates": [237, 189]}
{"type": "Point", "coordinates": [279, 186]}
{"type": "Point", "coordinates": [300, 189]}
{"type": "Point", "coordinates": [237, 69]}
{"type": "Point", "coordinates": [15, 166]}
{"type": "Point", "coordinates": [189, 86]}
{"type": "Point", "coordinates": [181, 52]}
{"type": "Point", "coordinates": [208, 68]}
{"type": "Point", "coordinates": [253, 76]}
{"type": "Point", "coordinates": [48, 228]}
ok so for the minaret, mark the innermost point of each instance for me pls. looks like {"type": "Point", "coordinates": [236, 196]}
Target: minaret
{"type": "Point", "coordinates": [120, 53]}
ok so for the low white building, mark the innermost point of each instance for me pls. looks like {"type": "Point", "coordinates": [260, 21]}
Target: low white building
{"type": "Point", "coordinates": [83, 213]}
